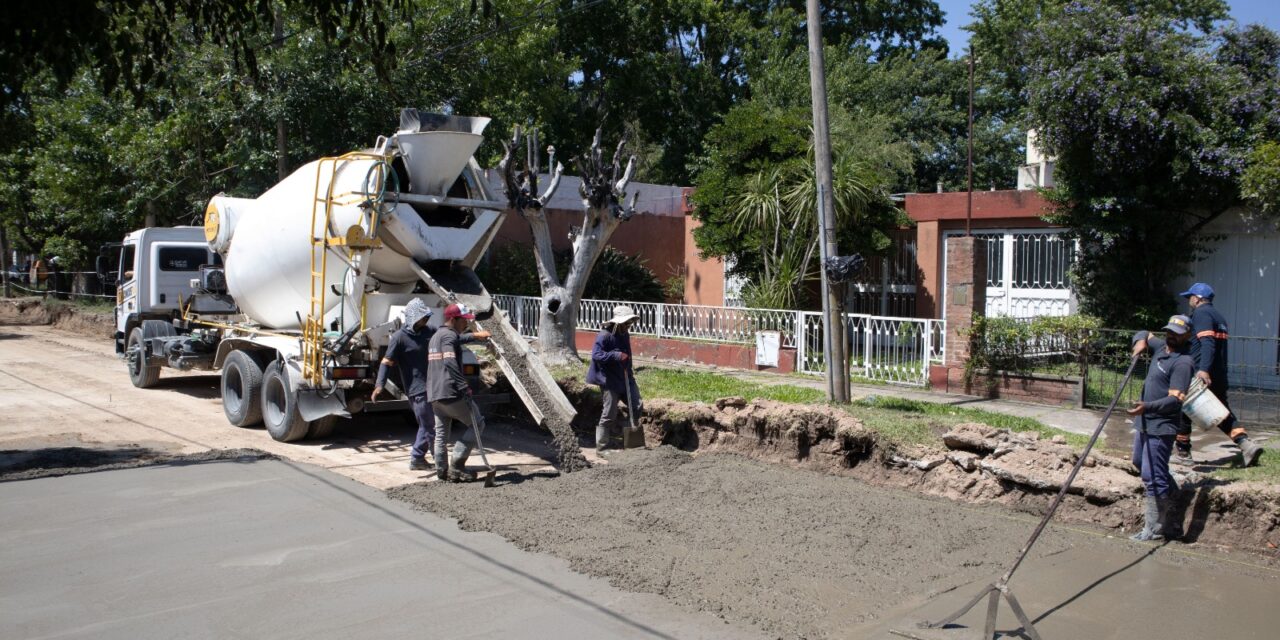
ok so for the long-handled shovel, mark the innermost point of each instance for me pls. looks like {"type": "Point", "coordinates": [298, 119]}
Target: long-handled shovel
{"type": "Point", "coordinates": [632, 436]}
{"type": "Point", "coordinates": [475, 426]}
{"type": "Point", "coordinates": [993, 592]}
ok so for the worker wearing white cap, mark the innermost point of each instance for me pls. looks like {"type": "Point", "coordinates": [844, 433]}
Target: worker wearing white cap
{"type": "Point", "coordinates": [407, 351]}
{"type": "Point", "coordinates": [611, 369]}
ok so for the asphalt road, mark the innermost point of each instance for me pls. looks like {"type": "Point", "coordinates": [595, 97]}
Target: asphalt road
{"type": "Point", "coordinates": [277, 549]}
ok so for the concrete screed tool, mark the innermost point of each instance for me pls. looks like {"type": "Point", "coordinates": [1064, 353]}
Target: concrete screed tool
{"type": "Point", "coordinates": [1000, 588]}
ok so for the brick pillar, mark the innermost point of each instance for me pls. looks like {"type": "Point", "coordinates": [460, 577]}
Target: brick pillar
{"type": "Point", "coordinates": [966, 294]}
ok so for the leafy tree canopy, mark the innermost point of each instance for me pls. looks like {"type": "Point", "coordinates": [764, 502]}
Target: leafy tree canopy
{"type": "Point", "coordinates": [1153, 127]}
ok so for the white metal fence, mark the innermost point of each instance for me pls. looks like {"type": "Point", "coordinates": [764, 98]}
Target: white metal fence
{"type": "Point", "coordinates": [890, 349]}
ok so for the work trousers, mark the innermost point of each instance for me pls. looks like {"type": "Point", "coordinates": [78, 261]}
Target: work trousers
{"type": "Point", "coordinates": [1151, 455]}
{"type": "Point", "coordinates": [1228, 426]}
{"type": "Point", "coordinates": [465, 411]}
{"type": "Point", "coordinates": [426, 426]}
{"type": "Point", "coordinates": [610, 425]}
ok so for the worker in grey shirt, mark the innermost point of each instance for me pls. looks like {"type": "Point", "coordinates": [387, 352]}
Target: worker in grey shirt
{"type": "Point", "coordinates": [450, 395]}
{"type": "Point", "coordinates": [1155, 421]}
{"type": "Point", "coordinates": [407, 351]}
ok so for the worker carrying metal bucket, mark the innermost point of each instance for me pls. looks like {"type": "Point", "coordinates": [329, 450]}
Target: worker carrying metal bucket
{"type": "Point", "coordinates": [1209, 350]}
{"type": "Point", "coordinates": [450, 394]}
{"type": "Point", "coordinates": [611, 370]}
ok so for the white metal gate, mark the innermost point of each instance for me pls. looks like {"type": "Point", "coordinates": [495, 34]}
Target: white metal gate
{"type": "Point", "coordinates": [1027, 272]}
{"type": "Point", "coordinates": [889, 349]}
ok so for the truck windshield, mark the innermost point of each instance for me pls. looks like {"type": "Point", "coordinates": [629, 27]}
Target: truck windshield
{"type": "Point", "coordinates": [185, 258]}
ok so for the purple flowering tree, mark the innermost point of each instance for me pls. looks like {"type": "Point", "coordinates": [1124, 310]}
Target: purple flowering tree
{"type": "Point", "coordinates": [1153, 126]}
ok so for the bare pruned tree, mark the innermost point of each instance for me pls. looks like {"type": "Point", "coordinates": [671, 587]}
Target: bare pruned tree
{"type": "Point", "coordinates": [603, 190]}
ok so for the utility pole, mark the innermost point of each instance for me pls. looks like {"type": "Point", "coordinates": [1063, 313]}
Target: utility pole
{"type": "Point", "coordinates": [833, 323]}
{"type": "Point", "coordinates": [968, 214]}
{"type": "Point", "coordinates": [282, 135]}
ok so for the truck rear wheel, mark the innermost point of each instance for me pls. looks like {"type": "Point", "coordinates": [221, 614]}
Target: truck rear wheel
{"type": "Point", "coordinates": [242, 390]}
{"type": "Point", "coordinates": [280, 406]}
{"type": "Point", "coordinates": [140, 373]}
{"type": "Point", "coordinates": [322, 428]}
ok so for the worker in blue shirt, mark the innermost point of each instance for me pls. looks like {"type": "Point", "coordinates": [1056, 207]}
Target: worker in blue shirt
{"type": "Point", "coordinates": [407, 351]}
{"type": "Point", "coordinates": [611, 369]}
{"type": "Point", "coordinates": [1155, 421]}
{"type": "Point", "coordinates": [1209, 351]}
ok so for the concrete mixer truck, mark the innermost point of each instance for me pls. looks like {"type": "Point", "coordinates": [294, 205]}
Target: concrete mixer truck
{"type": "Point", "coordinates": [293, 295]}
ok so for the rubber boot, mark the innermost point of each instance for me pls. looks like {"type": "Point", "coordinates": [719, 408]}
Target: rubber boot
{"type": "Point", "coordinates": [1171, 524]}
{"type": "Point", "coordinates": [1151, 530]}
{"type": "Point", "coordinates": [1249, 450]}
{"type": "Point", "coordinates": [602, 438]}
{"type": "Point", "coordinates": [458, 465]}
{"type": "Point", "coordinates": [1182, 453]}
{"type": "Point", "coordinates": [442, 466]}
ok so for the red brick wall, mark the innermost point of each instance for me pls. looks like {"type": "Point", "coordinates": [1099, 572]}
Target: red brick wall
{"type": "Point", "coordinates": [658, 240]}
{"type": "Point", "coordinates": [731, 356]}
{"type": "Point", "coordinates": [1037, 389]}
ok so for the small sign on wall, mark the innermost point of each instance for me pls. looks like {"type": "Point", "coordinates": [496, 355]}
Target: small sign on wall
{"type": "Point", "coordinates": [767, 345]}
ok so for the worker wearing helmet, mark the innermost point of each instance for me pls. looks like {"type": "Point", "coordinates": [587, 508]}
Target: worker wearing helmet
{"type": "Point", "coordinates": [407, 351]}
{"type": "Point", "coordinates": [1209, 350]}
{"type": "Point", "coordinates": [1155, 422]}
{"type": "Point", "coordinates": [611, 369]}
{"type": "Point", "coordinates": [450, 394]}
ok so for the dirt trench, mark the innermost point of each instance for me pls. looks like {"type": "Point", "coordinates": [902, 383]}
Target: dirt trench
{"type": "Point", "coordinates": [64, 316]}
{"type": "Point", "coordinates": [974, 464]}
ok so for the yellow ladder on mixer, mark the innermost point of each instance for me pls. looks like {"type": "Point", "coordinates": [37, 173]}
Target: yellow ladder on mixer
{"type": "Point", "coordinates": [355, 239]}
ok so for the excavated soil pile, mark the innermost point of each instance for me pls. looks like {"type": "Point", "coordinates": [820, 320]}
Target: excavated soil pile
{"type": "Point", "coordinates": [799, 554]}
{"type": "Point", "coordinates": [22, 311]}
{"type": "Point", "coordinates": [974, 463]}
{"type": "Point", "coordinates": [565, 440]}
{"type": "Point", "coordinates": [26, 464]}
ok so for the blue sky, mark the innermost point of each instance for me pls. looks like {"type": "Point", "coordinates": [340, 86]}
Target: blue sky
{"type": "Point", "coordinates": [1266, 12]}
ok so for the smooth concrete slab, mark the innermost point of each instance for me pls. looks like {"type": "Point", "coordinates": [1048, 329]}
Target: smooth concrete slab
{"type": "Point", "coordinates": [274, 549]}
{"type": "Point", "coordinates": [1114, 591]}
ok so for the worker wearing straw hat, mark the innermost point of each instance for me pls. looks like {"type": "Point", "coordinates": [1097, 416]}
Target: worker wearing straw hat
{"type": "Point", "coordinates": [611, 369]}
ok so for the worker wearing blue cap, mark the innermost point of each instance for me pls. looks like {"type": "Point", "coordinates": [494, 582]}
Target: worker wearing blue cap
{"type": "Point", "coordinates": [1209, 350]}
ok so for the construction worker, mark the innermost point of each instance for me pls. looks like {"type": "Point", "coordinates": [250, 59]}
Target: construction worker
{"type": "Point", "coordinates": [407, 351]}
{"type": "Point", "coordinates": [611, 369]}
{"type": "Point", "coordinates": [1156, 420]}
{"type": "Point", "coordinates": [1209, 350]}
{"type": "Point", "coordinates": [450, 395]}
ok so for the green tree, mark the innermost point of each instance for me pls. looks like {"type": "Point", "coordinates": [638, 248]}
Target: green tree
{"type": "Point", "coordinates": [1152, 126]}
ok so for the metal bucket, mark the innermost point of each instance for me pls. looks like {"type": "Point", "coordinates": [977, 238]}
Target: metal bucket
{"type": "Point", "coordinates": [1204, 408]}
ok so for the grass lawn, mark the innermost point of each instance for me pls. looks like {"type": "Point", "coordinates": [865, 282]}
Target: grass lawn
{"type": "Point", "coordinates": [1267, 470]}
{"type": "Point", "coordinates": [898, 420]}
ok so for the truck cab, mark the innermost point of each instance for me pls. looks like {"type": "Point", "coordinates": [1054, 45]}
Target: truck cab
{"type": "Point", "coordinates": [157, 268]}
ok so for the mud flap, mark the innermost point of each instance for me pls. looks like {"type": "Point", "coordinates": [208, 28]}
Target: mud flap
{"type": "Point", "coordinates": [314, 404]}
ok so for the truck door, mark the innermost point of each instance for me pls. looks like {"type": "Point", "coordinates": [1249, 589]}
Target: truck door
{"type": "Point", "coordinates": [126, 292]}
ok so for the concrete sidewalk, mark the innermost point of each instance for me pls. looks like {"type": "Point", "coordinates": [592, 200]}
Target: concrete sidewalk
{"type": "Point", "coordinates": [276, 549]}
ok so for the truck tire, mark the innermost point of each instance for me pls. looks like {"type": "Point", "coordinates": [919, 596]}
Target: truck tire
{"type": "Point", "coordinates": [322, 428]}
{"type": "Point", "coordinates": [141, 374]}
{"type": "Point", "coordinates": [280, 406]}
{"type": "Point", "coordinates": [242, 390]}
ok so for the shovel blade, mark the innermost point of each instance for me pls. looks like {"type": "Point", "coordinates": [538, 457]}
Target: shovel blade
{"type": "Point", "coordinates": [632, 437]}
